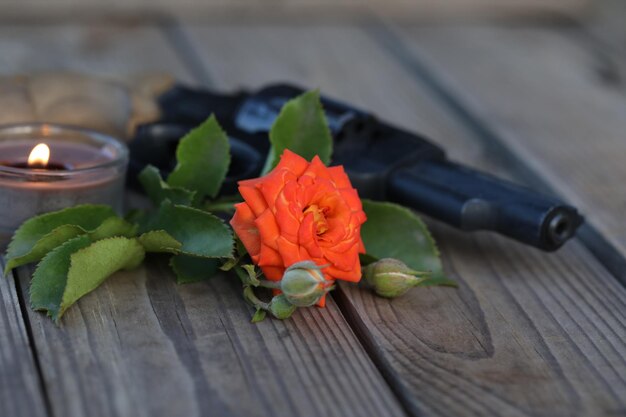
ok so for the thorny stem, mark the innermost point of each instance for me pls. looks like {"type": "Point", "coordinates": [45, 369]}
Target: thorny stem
{"type": "Point", "coordinates": [269, 284]}
{"type": "Point", "coordinates": [248, 290]}
{"type": "Point", "coordinates": [251, 297]}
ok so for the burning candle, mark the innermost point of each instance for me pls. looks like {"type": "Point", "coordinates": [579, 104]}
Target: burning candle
{"type": "Point", "coordinates": [47, 167]}
{"type": "Point", "coordinates": [39, 157]}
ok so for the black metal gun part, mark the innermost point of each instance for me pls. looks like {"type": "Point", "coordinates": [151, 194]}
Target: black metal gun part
{"type": "Point", "coordinates": [382, 161]}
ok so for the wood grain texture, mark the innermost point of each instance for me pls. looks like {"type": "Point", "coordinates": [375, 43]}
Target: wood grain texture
{"type": "Point", "coordinates": [527, 333]}
{"type": "Point", "coordinates": [141, 346]}
{"type": "Point", "coordinates": [20, 388]}
{"type": "Point", "coordinates": [540, 93]}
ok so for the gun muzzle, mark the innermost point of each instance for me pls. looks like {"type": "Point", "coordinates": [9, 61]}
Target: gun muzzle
{"type": "Point", "coordinates": [472, 200]}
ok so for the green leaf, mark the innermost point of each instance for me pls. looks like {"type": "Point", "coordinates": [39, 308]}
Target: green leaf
{"type": "Point", "coordinates": [192, 269]}
{"type": "Point", "coordinates": [49, 279]}
{"type": "Point", "coordinates": [40, 234]}
{"type": "Point", "coordinates": [158, 190]}
{"type": "Point", "coordinates": [76, 268]}
{"type": "Point", "coordinates": [159, 241]}
{"type": "Point", "coordinates": [90, 266]}
{"type": "Point", "coordinates": [240, 248]}
{"type": "Point", "coordinates": [203, 157]}
{"type": "Point", "coordinates": [259, 315]}
{"type": "Point", "coordinates": [248, 275]}
{"type": "Point", "coordinates": [44, 245]}
{"type": "Point", "coordinates": [393, 231]}
{"type": "Point", "coordinates": [113, 226]}
{"type": "Point", "coordinates": [200, 233]}
{"type": "Point", "coordinates": [229, 264]}
{"type": "Point", "coordinates": [300, 127]}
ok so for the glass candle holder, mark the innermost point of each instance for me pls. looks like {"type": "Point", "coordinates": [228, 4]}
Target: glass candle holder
{"type": "Point", "coordinates": [84, 167]}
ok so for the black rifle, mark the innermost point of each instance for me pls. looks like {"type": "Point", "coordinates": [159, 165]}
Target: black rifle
{"type": "Point", "coordinates": [383, 162]}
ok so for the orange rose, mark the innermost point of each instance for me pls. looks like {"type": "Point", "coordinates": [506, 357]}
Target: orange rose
{"type": "Point", "coordinates": [301, 211]}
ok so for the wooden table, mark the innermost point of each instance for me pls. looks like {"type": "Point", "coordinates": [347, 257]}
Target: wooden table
{"type": "Point", "coordinates": [526, 334]}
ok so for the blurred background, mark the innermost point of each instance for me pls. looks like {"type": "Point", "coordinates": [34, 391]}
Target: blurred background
{"type": "Point", "coordinates": [406, 9]}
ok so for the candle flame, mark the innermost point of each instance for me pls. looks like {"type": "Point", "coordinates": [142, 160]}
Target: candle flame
{"type": "Point", "coordinates": [39, 156]}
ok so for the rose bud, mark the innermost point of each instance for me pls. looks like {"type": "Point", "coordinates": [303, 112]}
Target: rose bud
{"type": "Point", "coordinates": [303, 284]}
{"type": "Point", "coordinates": [391, 278]}
{"type": "Point", "coordinates": [281, 308]}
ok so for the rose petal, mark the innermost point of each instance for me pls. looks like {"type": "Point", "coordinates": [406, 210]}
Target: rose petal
{"type": "Point", "coordinates": [339, 177]}
{"type": "Point", "coordinates": [244, 226]}
{"type": "Point", "coordinates": [343, 260]}
{"type": "Point", "coordinates": [252, 196]}
{"type": "Point", "coordinates": [268, 228]}
{"type": "Point", "coordinates": [273, 273]}
{"type": "Point", "coordinates": [307, 236]}
{"type": "Point", "coordinates": [317, 169]}
{"type": "Point", "coordinates": [322, 301]}
{"type": "Point", "coordinates": [351, 198]}
{"type": "Point", "coordinates": [361, 245]}
{"type": "Point", "coordinates": [353, 275]}
{"type": "Point", "coordinates": [288, 212]}
{"type": "Point", "coordinates": [274, 184]}
{"type": "Point", "coordinates": [289, 251]}
{"type": "Point", "coordinates": [316, 191]}
{"type": "Point", "coordinates": [292, 162]}
{"type": "Point", "coordinates": [269, 257]}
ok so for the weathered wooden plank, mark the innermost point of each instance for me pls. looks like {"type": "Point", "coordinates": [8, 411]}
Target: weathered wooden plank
{"type": "Point", "coordinates": [527, 333]}
{"type": "Point", "coordinates": [20, 387]}
{"type": "Point", "coordinates": [142, 346]}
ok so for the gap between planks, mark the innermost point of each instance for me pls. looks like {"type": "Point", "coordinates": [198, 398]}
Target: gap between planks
{"type": "Point", "coordinates": [22, 389]}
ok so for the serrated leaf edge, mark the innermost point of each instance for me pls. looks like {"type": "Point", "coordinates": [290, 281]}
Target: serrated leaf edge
{"type": "Point", "coordinates": [30, 289]}
{"type": "Point", "coordinates": [273, 155]}
{"type": "Point", "coordinates": [8, 267]}
{"type": "Point", "coordinates": [175, 251]}
{"type": "Point", "coordinates": [62, 308]}
{"type": "Point", "coordinates": [230, 232]}
{"type": "Point", "coordinates": [164, 184]}
{"type": "Point", "coordinates": [211, 118]}
{"type": "Point", "coordinates": [39, 216]}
